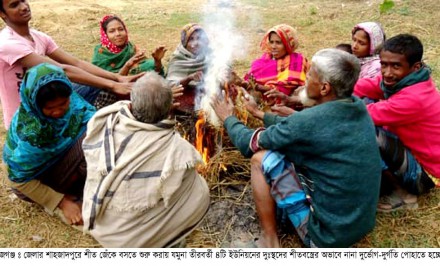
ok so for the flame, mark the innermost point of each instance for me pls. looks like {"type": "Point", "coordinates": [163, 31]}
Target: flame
{"type": "Point", "coordinates": [226, 89]}
{"type": "Point", "coordinates": [201, 137]}
{"type": "Point", "coordinates": [205, 134]}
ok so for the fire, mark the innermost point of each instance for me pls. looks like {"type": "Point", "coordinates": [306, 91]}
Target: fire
{"type": "Point", "coordinates": [226, 89]}
{"type": "Point", "coordinates": [207, 136]}
{"type": "Point", "coordinates": [202, 139]}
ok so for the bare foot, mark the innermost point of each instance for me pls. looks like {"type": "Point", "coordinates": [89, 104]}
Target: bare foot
{"type": "Point", "coordinates": [71, 211]}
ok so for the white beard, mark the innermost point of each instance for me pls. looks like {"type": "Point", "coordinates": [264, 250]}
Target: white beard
{"type": "Point", "coordinates": [304, 98]}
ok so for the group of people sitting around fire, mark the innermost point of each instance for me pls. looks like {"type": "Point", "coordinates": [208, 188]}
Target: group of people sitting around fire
{"type": "Point", "coordinates": [350, 132]}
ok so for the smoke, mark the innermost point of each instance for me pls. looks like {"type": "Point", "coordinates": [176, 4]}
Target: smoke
{"type": "Point", "coordinates": [226, 43]}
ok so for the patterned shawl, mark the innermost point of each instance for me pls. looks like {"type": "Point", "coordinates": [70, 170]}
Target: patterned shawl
{"type": "Point", "coordinates": [112, 58]}
{"type": "Point", "coordinates": [103, 58]}
{"type": "Point", "coordinates": [35, 142]}
{"type": "Point", "coordinates": [370, 65]}
{"type": "Point", "coordinates": [285, 74]}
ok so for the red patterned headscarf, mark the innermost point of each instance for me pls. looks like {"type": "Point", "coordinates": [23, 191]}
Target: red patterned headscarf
{"type": "Point", "coordinates": [288, 37]}
{"type": "Point", "coordinates": [104, 38]}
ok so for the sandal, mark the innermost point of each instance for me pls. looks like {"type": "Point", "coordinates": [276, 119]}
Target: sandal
{"type": "Point", "coordinates": [394, 202]}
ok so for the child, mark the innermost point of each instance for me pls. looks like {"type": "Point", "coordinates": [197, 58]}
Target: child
{"type": "Point", "coordinates": [344, 47]}
{"type": "Point", "coordinates": [367, 39]}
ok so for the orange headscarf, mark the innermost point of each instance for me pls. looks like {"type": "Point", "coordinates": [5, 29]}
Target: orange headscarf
{"type": "Point", "coordinates": [288, 37]}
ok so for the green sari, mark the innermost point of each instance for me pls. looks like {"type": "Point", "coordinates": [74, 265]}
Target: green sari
{"type": "Point", "coordinates": [112, 62]}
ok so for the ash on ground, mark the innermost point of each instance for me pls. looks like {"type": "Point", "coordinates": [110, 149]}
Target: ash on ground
{"type": "Point", "coordinates": [232, 220]}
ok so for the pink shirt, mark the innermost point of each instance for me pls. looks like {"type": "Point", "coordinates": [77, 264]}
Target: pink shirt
{"type": "Point", "coordinates": [370, 67]}
{"type": "Point", "coordinates": [413, 114]}
{"type": "Point", "coordinates": [12, 48]}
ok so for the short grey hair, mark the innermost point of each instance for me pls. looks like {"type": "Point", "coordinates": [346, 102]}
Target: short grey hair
{"type": "Point", "coordinates": [340, 69]}
{"type": "Point", "coordinates": [151, 98]}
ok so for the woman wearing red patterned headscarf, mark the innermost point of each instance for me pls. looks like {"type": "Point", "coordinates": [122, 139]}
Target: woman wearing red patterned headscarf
{"type": "Point", "coordinates": [117, 54]}
{"type": "Point", "coordinates": [280, 70]}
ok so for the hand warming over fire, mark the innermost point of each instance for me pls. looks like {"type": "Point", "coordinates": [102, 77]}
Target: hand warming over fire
{"type": "Point", "coordinates": [177, 91]}
{"type": "Point", "coordinates": [222, 106]}
{"type": "Point", "coordinates": [251, 105]}
{"type": "Point", "coordinates": [282, 110]}
{"type": "Point", "coordinates": [276, 94]}
{"type": "Point", "coordinates": [196, 76]}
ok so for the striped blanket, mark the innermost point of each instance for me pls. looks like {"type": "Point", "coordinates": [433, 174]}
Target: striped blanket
{"type": "Point", "coordinates": [142, 189]}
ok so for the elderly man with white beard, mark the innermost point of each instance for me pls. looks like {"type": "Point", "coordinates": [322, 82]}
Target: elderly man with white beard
{"type": "Point", "coordinates": [318, 168]}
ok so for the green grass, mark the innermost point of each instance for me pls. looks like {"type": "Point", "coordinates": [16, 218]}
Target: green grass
{"type": "Point", "coordinates": [176, 20]}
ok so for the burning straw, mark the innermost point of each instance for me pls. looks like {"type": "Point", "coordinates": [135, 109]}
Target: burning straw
{"type": "Point", "coordinates": [224, 164]}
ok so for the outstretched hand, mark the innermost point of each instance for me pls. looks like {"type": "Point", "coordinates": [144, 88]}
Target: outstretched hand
{"type": "Point", "coordinates": [252, 80]}
{"type": "Point", "coordinates": [128, 79]}
{"type": "Point", "coordinates": [196, 76]}
{"type": "Point", "coordinates": [223, 107]}
{"type": "Point", "coordinates": [251, 105]}
{"type": "Point", "coordinates": [139, 56]}
{"type": "Point", "coordinates": [159, 53]}
{"type": "Point", "coordinates": [177, 91]}
{"type": "Point", "coordinates": [254, 84]}
{"type": "Point", "coordinates": [122, 88]}
{"type": "Point", "coordinates": [236, 80]}
{"type": "Point", "coordinates": [275, 94]}
{"type": "Point", "coordinates": [124, 83]}
{"type": "Point", "coordinates": [282, 110]}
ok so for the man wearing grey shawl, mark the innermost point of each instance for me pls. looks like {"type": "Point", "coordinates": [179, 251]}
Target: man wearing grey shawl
{"type": "Point", "coordinates": [142, 187]}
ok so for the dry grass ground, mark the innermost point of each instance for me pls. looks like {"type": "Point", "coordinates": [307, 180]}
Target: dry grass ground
{"type": "Point", "coordinates": [320, 24]}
